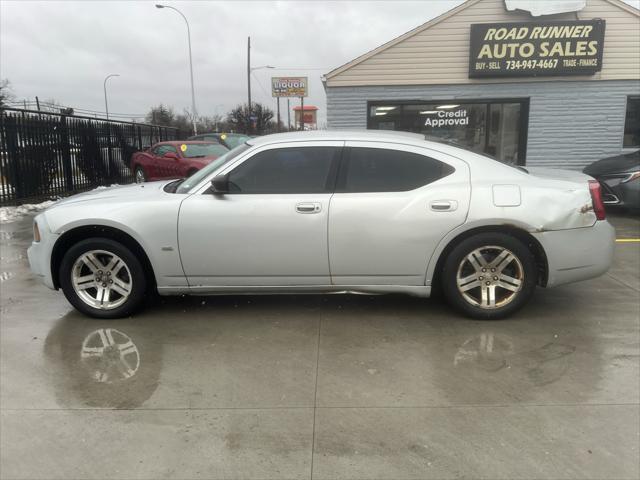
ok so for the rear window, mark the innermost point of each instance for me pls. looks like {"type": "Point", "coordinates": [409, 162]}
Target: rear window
{"type": "Point", "coordinates": [385, 170]}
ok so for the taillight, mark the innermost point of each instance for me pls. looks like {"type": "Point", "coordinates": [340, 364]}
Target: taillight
{"type": "Point", "coordinates": [596, 198]}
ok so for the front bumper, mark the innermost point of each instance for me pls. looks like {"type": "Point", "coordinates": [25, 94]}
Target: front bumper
{"type": "Point", "coordinates": [39, 253]}
{"type": "Point", "coordinates": [579, 253]}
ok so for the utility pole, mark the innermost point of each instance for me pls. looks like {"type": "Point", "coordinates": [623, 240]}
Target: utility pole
{"type": "Point", "coordinates": [249, 82]}
{"type": "Point", "coordinates": [278, 128]}
{"type": "Point", "coordinates": [302, 113]}
{"type": "Point", "coordinates": [288, 114]}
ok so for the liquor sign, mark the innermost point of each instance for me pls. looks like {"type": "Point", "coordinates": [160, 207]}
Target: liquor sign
{"type": "Point", "coordinates": [289, 86]}
{"type": "Point", "coordinates": [531, 49]}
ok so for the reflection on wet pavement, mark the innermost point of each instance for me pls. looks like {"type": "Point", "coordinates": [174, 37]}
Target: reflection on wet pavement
{"type": "Point", "coordinates": [371, 387]}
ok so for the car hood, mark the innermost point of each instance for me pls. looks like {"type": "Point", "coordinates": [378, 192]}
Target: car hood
{"type": "Point", "coordinates": [616, 164]}
{"type": "Point", "coordinates": [203, 160]}
{"type": "Point", "coordinates": [116, 192]}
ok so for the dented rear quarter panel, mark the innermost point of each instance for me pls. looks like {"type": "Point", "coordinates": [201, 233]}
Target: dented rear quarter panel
{"type": "Point", "coordinates": [554, 206]}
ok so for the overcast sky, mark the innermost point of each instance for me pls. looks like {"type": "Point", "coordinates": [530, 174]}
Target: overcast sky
{"type": "Point", "coordinates": [62, 50]}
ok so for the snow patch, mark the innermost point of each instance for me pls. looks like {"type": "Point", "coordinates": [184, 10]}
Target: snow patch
{"type": "Point", "coordinates": [13, 214]}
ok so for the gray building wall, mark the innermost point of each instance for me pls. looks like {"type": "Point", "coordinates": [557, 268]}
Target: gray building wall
{"type": "Point", "coordinates": [571, 124]}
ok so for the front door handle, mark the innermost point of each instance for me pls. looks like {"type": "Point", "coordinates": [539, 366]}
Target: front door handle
{"type": "Point", "coordinates": [443, 205]}
{"type": "Point", "coordinates": [308, 207]}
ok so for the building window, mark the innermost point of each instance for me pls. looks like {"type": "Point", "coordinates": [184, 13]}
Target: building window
{"type": "Point", "coordinates": [496, 128]}
{"type": "Point", "coordinates": [632, 123]}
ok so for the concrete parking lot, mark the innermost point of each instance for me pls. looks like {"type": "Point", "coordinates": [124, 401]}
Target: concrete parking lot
{"type": "Point", "coordinates": [322, 387]}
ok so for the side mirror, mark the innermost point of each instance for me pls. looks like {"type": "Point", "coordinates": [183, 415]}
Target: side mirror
{"type": "Point", "coordinates": [171, 155]}
{"type": "Point", "coordinates": [220, 184]}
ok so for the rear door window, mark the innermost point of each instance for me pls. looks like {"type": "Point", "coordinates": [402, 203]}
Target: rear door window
{"type": "Point", "coordinates": [387, 170]}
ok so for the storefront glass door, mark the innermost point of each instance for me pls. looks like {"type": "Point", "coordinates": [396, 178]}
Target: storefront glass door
{"type": "Point", "coordinates": [496, 128]}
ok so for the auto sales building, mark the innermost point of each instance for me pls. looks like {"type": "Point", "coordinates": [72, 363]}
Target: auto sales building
{"type": "Point", "coordinates": [503, 78]}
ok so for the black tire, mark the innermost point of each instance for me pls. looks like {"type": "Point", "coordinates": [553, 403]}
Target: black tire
{"type": "Point", "coordinates": [139, 173]}
{"type": "Point", "coordinates": [455, 262]}
{"type": "Point", "coordinates": [135, 271]}
{"type": "Point", "coordinates": [191, 172]}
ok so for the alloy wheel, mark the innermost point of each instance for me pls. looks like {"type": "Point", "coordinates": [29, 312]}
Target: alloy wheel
{"type": "Point", "coordinates": [490, 277]}
{"type": "Point", "coordinates": [110, 356]}
{"type": "Point", "coordinates": [101, 279]}
{"type": "Point", "coordinates": [139, 175]}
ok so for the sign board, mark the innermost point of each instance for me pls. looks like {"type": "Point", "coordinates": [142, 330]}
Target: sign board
{"type": "Point", "coordinates": [531, 49]}
{"type": "Point", "coordinates": [289, 86]}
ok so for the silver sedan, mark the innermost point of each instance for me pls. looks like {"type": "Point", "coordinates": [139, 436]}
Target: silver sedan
{"type": "Point", "coordinates": [330, 212]}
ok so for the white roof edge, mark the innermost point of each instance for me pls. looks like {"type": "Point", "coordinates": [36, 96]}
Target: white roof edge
{"type": "Point", "coordinates": [625, 6]}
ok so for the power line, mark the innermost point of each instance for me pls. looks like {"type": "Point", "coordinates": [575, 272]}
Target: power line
{"type": "Point", "coordinates": [76, 109]}
{"type": "Point", "coordinates": [302, 68]}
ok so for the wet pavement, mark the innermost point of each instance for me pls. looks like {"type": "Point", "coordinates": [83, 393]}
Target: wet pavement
{"type": "Point", "coordinates": [327, 387]}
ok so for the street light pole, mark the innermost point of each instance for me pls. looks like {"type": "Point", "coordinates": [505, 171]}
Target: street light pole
{"type": "Point", "coordinates": [249, 80]}
{"type": "Point", "coordinates": [193, 93]}
{"type": "Point", "coordinates": [249, 72]}
{"type": "Point", "coordinates": [104, 85]}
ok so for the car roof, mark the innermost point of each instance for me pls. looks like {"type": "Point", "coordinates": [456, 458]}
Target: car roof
{"type": "Point", "coordinates": [340, 135]}
{"type": "Point", "coordinates": [180, 142]}
{"type": "Point", "coordinates": [217, 134]}
{"type": "Point", "coordinates": [390, 136]}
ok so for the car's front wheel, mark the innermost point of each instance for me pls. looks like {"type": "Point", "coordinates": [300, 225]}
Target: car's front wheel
{"type": "Point", "coordinates": [489, 276]}
{"type": "Point", "coordinates": [102, 278]}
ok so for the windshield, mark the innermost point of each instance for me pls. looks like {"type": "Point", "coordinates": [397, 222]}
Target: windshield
{"type": "Point", "coordinates": [197, 177]}
{"type": "Point", "coordinates": [196, 150]}
{"type": "Point", "coordinates": [234, 140]}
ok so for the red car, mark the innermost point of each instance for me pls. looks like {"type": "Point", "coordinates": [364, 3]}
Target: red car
{"type": "Point", "coordinates": [177, 159]}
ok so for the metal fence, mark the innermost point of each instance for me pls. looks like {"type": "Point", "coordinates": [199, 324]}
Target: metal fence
{"type": "Point", "coordinates": [45, 155]}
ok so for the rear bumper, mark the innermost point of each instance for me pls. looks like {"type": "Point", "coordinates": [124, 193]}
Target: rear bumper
{"type": "Point", "coordinates": [578, 254]}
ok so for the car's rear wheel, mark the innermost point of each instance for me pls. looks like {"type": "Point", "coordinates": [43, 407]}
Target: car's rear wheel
{"type": "Point", "coordinates": [102, 278]}
{"type": "Point", "coordinates": [489, 276]}
{"type": "Point", "coordinates": [141, 177]}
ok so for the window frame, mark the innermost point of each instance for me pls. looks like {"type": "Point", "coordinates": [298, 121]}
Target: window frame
{"type": "Point", "coordinates": [331, 177]}
{"type": "Point", "coordinates": [341, 180]}
{"type": "Point", "coordinates": [631, 148]}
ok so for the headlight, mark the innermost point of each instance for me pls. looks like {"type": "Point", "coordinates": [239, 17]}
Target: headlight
{"type": "Point", "coordinates": [36, 232]}
{"type": "Point", "coordinates": [631, 176]}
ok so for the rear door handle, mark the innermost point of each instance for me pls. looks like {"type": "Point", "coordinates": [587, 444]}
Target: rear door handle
{"type": "Point", "coordinates": [308, 207]}
{"type": "Point", "coordinates": [443, 205]}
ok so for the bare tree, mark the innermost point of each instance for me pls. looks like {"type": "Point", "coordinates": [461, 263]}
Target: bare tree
{"type": "Point", "coordinates": [241, 119]}
{"type": "Point", "coordinates": [6, 92]}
